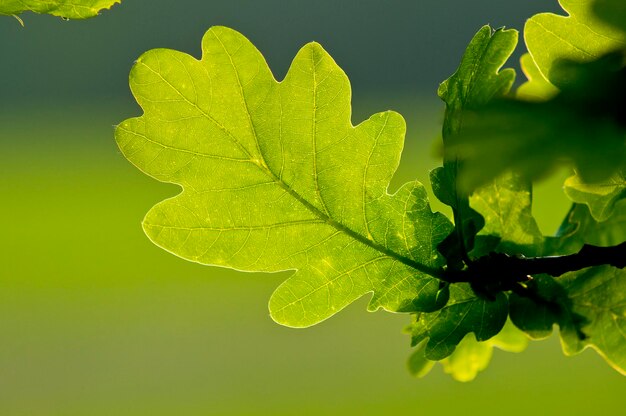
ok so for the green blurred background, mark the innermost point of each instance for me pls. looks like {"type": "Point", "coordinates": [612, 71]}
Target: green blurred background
{"type": "Point", "coordinates": [94, 320]}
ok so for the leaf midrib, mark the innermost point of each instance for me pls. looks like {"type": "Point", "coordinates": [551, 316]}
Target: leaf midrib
{"type": "Point", "coordinates": [355, 235]}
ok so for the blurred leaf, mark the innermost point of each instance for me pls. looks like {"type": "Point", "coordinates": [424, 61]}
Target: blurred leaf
{"type": "Point", "coordinates": [532, 138]}
{"type": "Point", "coordinates": [584, 124]}
{"type": "Point", "coordinates": [464, 313]}
{"type": "Point", "coordinates": [470, 357]}
{"type": "Point", "coordinates": [477, 81]}
{"type": "Point", "coordinates": [579, 37]}
{"type": "Point", "coordinates": [537, 88]}
{"type": "Point", "coordinates": [579, 227]}
{"type": "Point", "coordinates": [418, 365]}
{"type": "Point", "coordinates": [510, 339]}
{"type": "Point", "coordinates": [600, 198]}
{"type": "Point", "coordinates": [68, 9]}
{"type": "Point", "coordinates": [612, 12]}
{"type": "Point", "coordinates": [275, 177]}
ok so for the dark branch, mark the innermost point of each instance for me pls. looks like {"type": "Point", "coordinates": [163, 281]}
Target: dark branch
{"type": "Point", "coordinates": [497, 272]}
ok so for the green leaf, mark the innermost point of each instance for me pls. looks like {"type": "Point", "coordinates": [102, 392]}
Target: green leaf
{"type": "Point", "coordinates": [601, 197]}
{"type": "Point", "coordinates": [537, 88]}
{"type": "Point", "coordinates": [613, 12]}
{"type": "Point", "coordinates": [478, 79]}
{"type": "Point", "coordinates": [505, 204]}
{"type": "Point", "coordinates": [509, 227]}
{"type": "Point", "coordinates": [510, 339]}
{"type": "Point", "coordinates": [579, 37]}
{"type": "Point", "coordinates": [599, 295]}
{"type": "Point", "coordinates": [460, 242]}
{"type": "Point", "coordinates": [575, 54]}
{"type": "Point", "coordinates": [68, 9]}
{"type": "Point", "coordinates": [464, 313]}
{"type": "Point", "coordinates": [501, 210]}
{"type": "Point", "coordinates": [418, 365]}
{"type": "Point", "coordinates": [534, 137]}
{"type": "Point", "coordinates": [588, 305]}
{"type": "Point", "coordinates": [476, 82]}
{"type": "Point", "coordinates": [579, 227]}
{"type": "Point", "coordinates": [275, 177]}
{"type": "Point", "coordinates": [470, 357]}
{"type": "Point", "coordinates": [537, 319]}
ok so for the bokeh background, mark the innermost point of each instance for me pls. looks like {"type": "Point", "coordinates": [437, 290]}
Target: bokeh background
{"type": "Point", "coordinates": [95, 320]}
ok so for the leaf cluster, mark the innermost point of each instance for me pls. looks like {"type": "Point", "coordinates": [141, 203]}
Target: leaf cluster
{"type": "Point", "coordinates": [571, 109]}
{"type": "Point", "coordinates": [275, 177]}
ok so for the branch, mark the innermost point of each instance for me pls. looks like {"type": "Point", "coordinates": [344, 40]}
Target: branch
{"type": "Point", "coordinates": [497, 272]}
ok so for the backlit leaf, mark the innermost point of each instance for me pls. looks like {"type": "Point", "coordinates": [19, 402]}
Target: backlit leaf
{"type": "Point", "coordinates": [476, 82]}
{"type": "Point", "coordinates": [599, 295]}
{"type": "Point", "coordinates": [579, 227]}
{"type": "Point", "coordinates": [577, 55]}
{"type": "Point", "coordinates": [537, 88]}
{"type": "Point", "coordinates": [612, 12]}
{"type": "Point", "coordinates": [505, 204]}
{"type": "Point", "coordinates": [470, 357]}
{"type": "Point", "coordinates": [69, 9]}
{"type": "Point", "coordinates": [581, 37]}
{"type": "Point", "coordinates": [600, 197]}
{"type": "Point", "coordinates": [465, 313]}
{"type": "Point", "coordinates": [275, 177]}
{"type": "Point", "coordinates": [588, 305]}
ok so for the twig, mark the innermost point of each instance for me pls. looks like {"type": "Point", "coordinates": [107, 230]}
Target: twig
{"type": "Point", "coordinates": [498, 272]}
